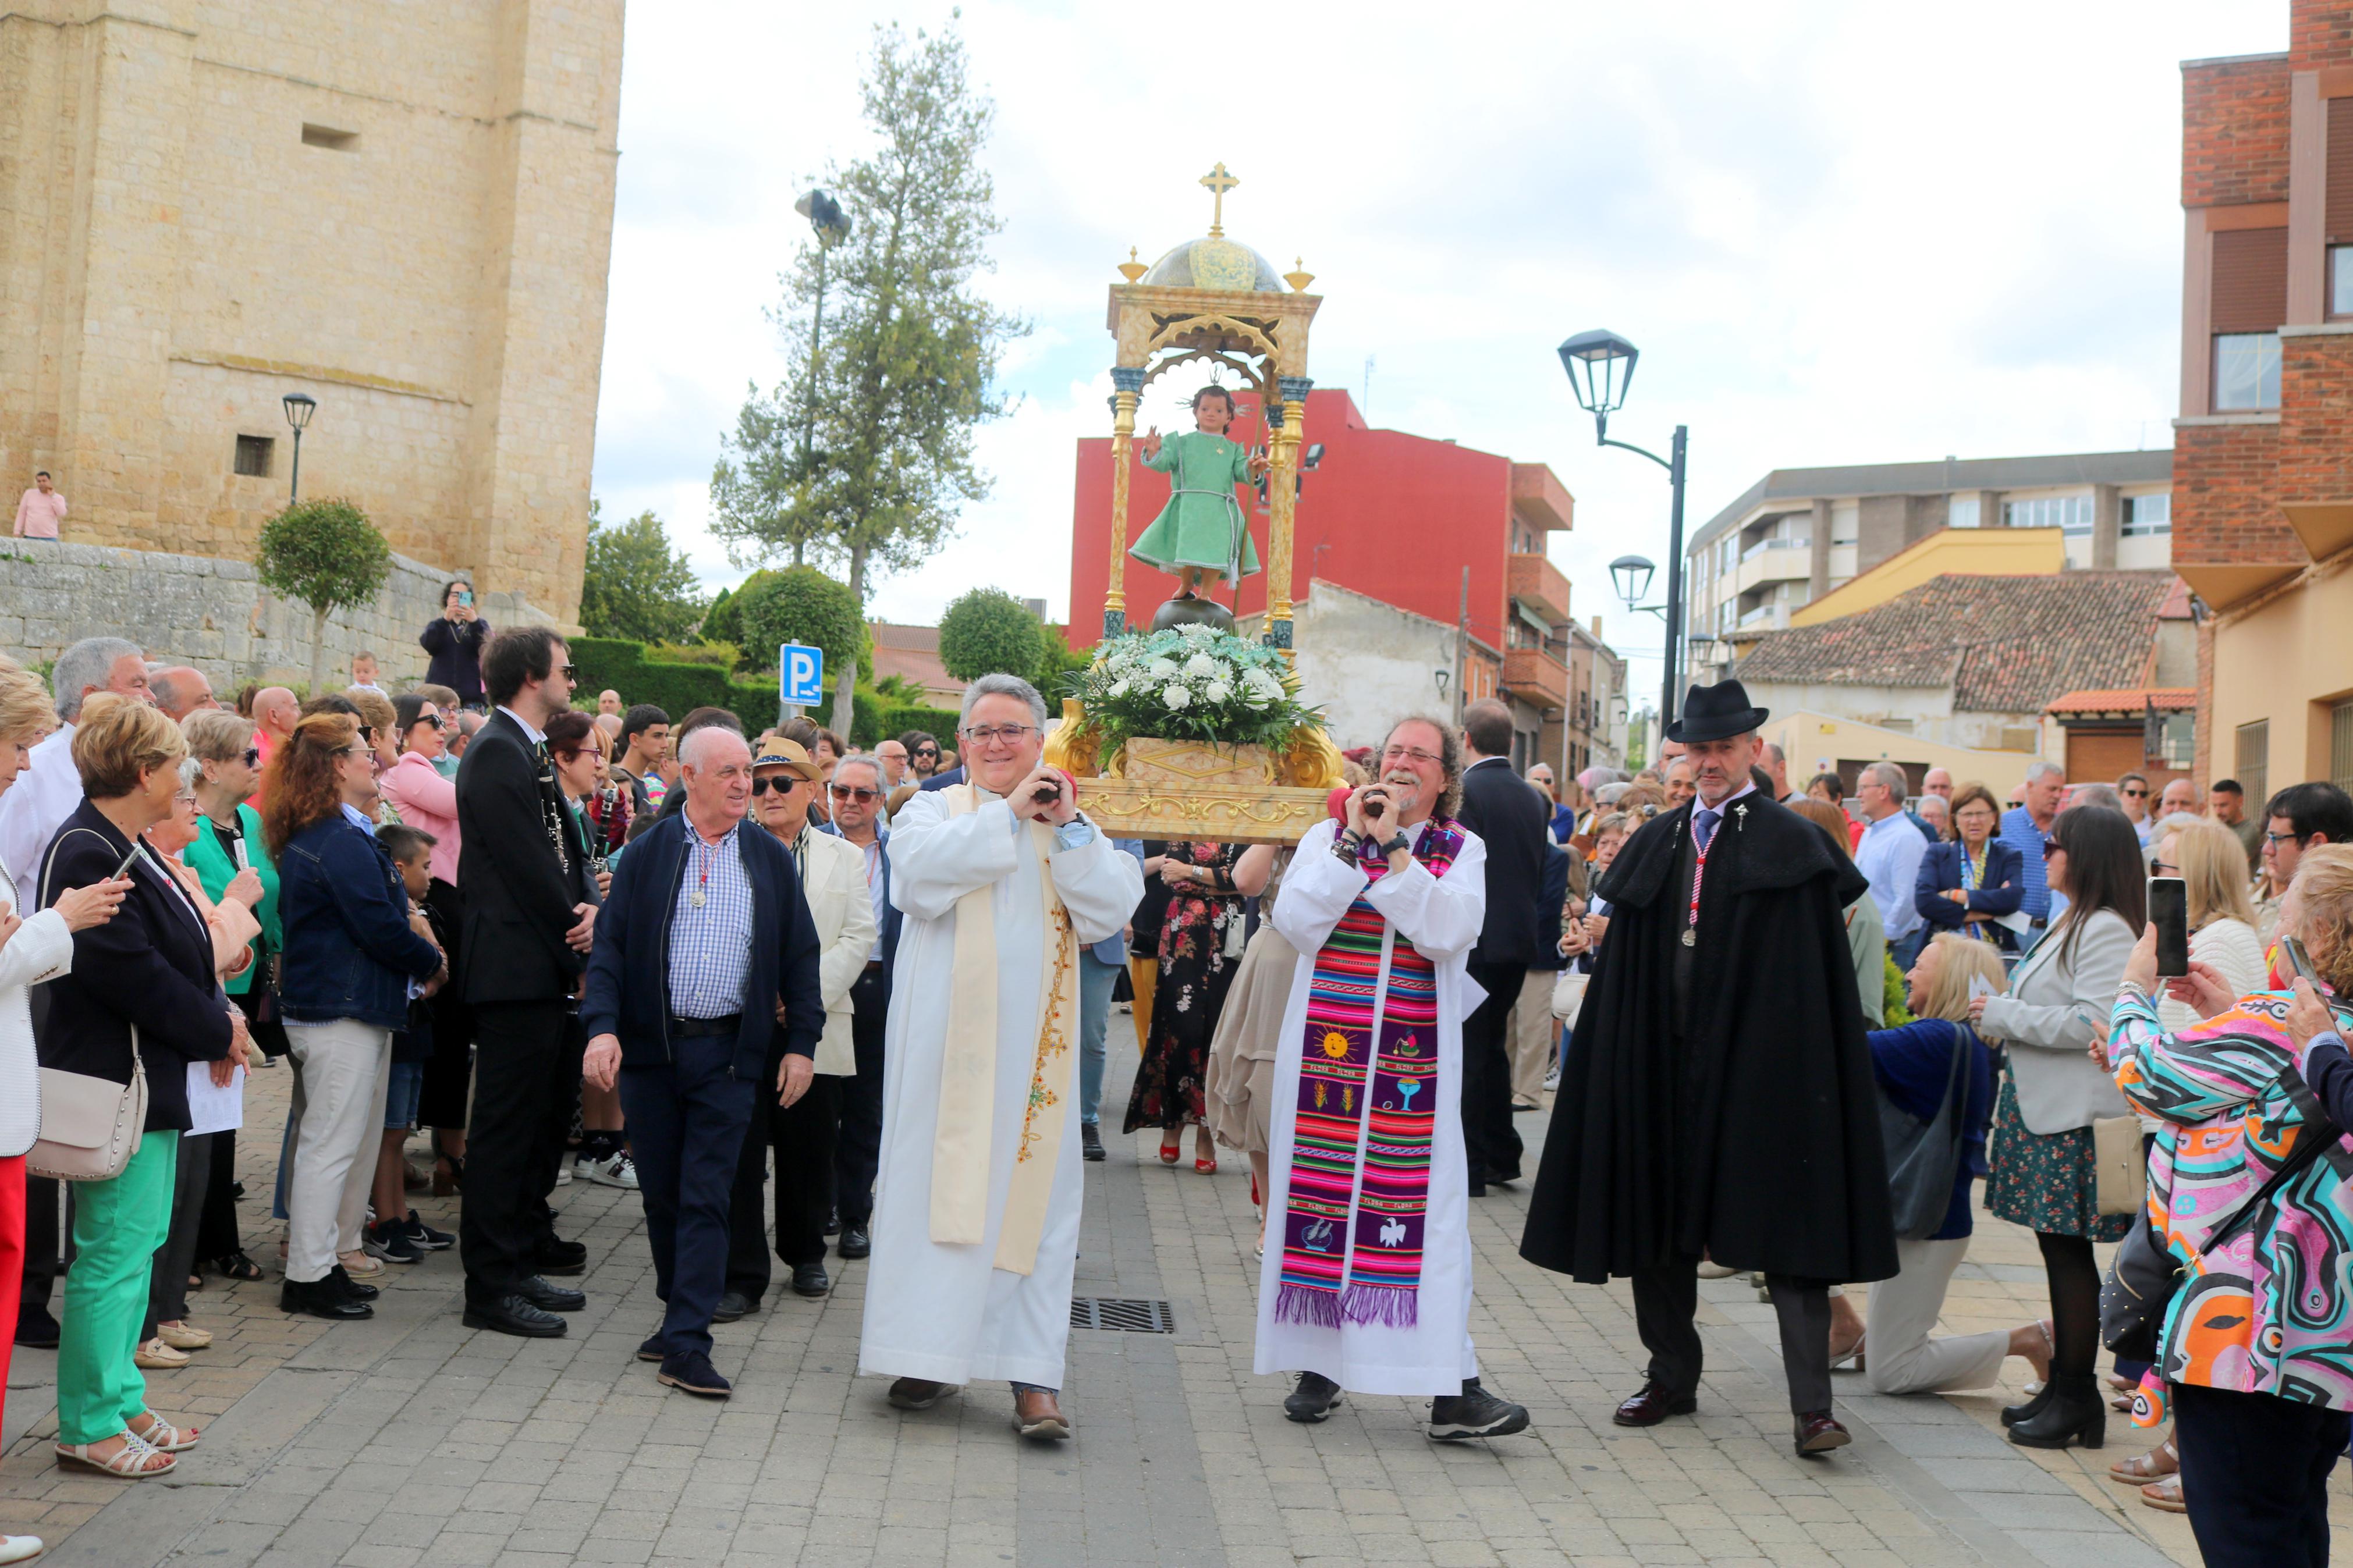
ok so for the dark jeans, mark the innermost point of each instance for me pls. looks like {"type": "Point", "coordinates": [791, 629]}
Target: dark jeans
{"type": "Point", "coordinates": [2254, 1472]}
{"type": "Point", "coordinates": [1491, 1144]}
{"type": "Point", "coordinates": [43, 1262]}
{"type": "Point", "coordinates": [802, 1135]}
{"type": "Point", "coordinates": [449, 1071]}
{"type": "Point", "coordinates": [1666, 1299]}
{"type": "Point", "coordinates": [859, 1146]}
{"type": "Point", "coordinates": [528, 1072]}
{"type": "Point", "coordinates": [216, 1232]}
{"type": "Point", "coordinates": [687, 1123]}
{"type": "Point", "coordinates": [167, 1287]}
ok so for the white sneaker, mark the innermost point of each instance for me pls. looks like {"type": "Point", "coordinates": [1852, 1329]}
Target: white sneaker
{"type": "Point", "coordinates": [564, 1172]}
{"type": "Point", "coordinates": [1552, 1081]}
{"type": "Point", "coordinates": [620, 1170]}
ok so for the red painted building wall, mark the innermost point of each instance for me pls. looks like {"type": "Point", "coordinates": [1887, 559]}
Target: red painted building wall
{"type": "Point", "coordinates": [1390, 515]}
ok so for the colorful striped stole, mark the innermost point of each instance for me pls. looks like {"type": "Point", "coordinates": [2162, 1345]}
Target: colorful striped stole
{"type": "Point", "coordinates": [1359, 1184]}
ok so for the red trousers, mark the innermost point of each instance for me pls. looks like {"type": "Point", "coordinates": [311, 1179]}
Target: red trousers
{"type": "Point", "coordinates": [11, 1262]}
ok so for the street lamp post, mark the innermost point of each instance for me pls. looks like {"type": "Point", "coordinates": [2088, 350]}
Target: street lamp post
{"type": "Point", "coordinates": [831, 227]}
{"type": "Point", "coordinates": [300, 407]}
{"type": "Point", "coordinates": [1593, 360]}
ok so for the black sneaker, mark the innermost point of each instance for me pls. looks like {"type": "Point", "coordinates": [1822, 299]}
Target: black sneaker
{"type": "Point", "coordinates": [1316, 1397]}
{"type": "Point", "coordinates": [1474, 1413]}
{"type": "Point", "coordinates": [390, 1241]}
{"type": "Point", "coordinates": [424, 1238]}
{"type": "Point", "coordinates": [1091, 1144]}
{"type": "Point", "coordinates": [321, 1298]}
{"type": "Point", "coordinates": [35, 1330]}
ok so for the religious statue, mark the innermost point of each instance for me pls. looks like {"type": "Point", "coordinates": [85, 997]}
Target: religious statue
{"type": "Point", "coordinates": [1202, 531]}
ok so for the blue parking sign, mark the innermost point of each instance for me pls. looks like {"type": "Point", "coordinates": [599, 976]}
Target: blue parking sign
{"type": "Point", "coordinates": [800, 675]}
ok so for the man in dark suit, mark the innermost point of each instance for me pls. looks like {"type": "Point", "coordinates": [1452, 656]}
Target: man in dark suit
{"type": "Point", "coordinates": [1510, 818]}
{"type": "Point", "coordinates": [708, 955]}
{"type": "Point", "coordinates": [530, 910]}
{"type": "Point", "coordinates": [858, 817]}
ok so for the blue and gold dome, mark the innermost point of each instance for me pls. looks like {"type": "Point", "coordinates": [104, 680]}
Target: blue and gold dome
{"type": "Point", "coordinates": [1215, 262]}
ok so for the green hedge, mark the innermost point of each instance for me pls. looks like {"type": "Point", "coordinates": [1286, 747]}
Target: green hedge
{"type": "Point", "coordinates": [675, 687]}
{"type": "Point", "coordinates": [939, 723]}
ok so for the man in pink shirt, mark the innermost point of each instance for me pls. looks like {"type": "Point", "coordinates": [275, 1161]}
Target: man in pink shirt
{"type": "Point", "coordinates": [39, 510]}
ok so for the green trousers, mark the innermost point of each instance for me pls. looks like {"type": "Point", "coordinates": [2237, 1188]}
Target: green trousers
{"type": "Point", "coordinates": [117, 1227]}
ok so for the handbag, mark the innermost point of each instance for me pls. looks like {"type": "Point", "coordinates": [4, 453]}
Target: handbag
{"type": "Point", "coordinates": [1568, 994]}
{"type": "Point", "coordinates": [2119, 1164]}
{"type": "Point", "coordinates": [1925, 1157]}
{"type": "Point", "coordinates": [2144, 1274]}
{"type": "Point", "coordinates": [90, 1126]}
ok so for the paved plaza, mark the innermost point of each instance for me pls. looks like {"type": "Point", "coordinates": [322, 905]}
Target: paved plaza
{"type": "Point", "coordinates": [410, 1439]}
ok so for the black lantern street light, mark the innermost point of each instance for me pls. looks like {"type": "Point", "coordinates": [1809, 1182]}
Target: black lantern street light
{"type": "Point", "coordinates": [1600, 368]}
{"type": "Point", "coordinates": [831, 227]}
{"type": "Point", "coordinates": [300, 407]}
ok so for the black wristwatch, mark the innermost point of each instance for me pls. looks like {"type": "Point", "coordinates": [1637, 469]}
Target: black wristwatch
{"type": "Point", "coordinates": [1394, 845]}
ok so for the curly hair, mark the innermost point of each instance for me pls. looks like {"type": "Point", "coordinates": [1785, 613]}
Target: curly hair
{"type": "Point", "coordinates": [1450, 762]}
{"type": "Point", "coordinates": [300, 788]}
{"type": "Point", "coordinates": [2324, 885]}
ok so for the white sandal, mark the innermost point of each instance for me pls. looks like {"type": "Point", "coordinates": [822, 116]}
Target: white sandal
{"type": "Point", "coordinates": [128, 1463]}
{"type": "Point", "coordinates": [164, 1437]}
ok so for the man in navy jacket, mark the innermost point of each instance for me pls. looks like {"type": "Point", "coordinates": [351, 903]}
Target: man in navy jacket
{"type": "Point", "coordinates": [704, 951]}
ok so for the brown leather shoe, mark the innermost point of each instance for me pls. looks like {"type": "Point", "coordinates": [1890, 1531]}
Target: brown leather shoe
{"type": "Point", "coordinates": [1036, 1414]}
{"type": "Point", "coordinates": [917, 1393]}
{"type": "Point", "coordinates": [1654, 1404]}
{"type": "Point", "coordinates": [1818, 1432]}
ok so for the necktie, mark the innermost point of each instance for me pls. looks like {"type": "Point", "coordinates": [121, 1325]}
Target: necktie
{"type": "Point", "coordinates": [1703, 825]}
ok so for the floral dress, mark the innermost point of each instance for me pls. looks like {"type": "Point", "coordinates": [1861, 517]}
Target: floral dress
{"type": "Point", "coordinates": [1195, 974]}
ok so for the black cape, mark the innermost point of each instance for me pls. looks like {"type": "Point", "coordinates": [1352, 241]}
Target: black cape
{"type": "Point", "coordinates": [1758, 1143]}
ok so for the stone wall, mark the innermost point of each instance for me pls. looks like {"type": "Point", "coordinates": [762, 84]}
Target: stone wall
{"type": "Point", "coordinates": [215, 615]}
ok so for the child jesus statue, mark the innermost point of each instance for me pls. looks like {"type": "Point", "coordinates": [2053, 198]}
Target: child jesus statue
{"type": "Point", "coordinates": [1201, 533]}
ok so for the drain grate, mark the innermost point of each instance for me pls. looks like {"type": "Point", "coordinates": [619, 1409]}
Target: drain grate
{"type": "Point", "coordinates": [1122, 1315]}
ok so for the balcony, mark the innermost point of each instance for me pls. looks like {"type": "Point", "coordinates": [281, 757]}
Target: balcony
{"type": "Point", "coordinates": [1534, 676]}
{"type": "Point", "coordinates": [1775, 561]}
{"type": "Point", "coordinates": [1537, 582]}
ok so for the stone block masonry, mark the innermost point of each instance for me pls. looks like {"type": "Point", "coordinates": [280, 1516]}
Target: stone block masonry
{"type": "Point", "coordinates": [215, 615]}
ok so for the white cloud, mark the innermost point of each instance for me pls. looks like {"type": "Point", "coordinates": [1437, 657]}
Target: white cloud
{"type": "Point", "coordinates": [1845, 232]}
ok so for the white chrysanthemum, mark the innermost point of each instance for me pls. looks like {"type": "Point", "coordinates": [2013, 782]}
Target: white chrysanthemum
{"type": "Point", "coordinates": [1163, 669]}
{"type": "Point", "coordinates": [1216, 692]}
{"type": "Point", "coordinates": [1174, 695]}
{"type": "Point", "coordinates": [1201, 664]}
{"type": "Point", "coordinates": [1119, 689]}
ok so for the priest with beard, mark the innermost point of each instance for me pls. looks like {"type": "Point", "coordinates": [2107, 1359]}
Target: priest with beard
{"type": "Point", "coordinates": [1002, 881]}
{"type": "Point", "coordinates": [1716, 1098]}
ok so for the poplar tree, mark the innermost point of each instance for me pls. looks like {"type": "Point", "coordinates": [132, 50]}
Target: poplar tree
{"type": "Point", "coordinates": [887, 406]}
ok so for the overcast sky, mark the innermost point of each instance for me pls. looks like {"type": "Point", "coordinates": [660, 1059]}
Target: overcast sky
{"type": "Point", "coordinates": [1870, 233]}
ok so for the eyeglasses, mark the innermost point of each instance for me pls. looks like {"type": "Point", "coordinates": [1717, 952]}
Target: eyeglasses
{"type": "Point", "coordinates": [432, 719]}
{"type": "Point", "coordinates": [2051, 847]}
{"type": "Point", "coordinates": [990, 734]}
{"type": "Point", "coordinates": [927, 750]}
{"type": "Point", "coordinates": [782, 786]}
{"type": "Point", "coordinates": [354, 752]}
{"type": "Point", "coordinates": [853, 792]}
{"type": "Point", "coordinates": [367, 734]}
{"type": "Point", "coordinates": [2163, 868]}
{"type": "Point", "coordinates": [2136, 795]}
{"type": "Point", "coordinates": [571, 671]}
{"type": "Point", "coordinates": [569, 753]}
{"type": "Point", "coordinates": [1399, 754]}
{"type": "Point", "coordinates": [2282, 838]}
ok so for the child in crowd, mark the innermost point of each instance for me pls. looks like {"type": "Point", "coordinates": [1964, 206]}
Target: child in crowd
{"type": "Point", "coordinates": [398, 1236]}
{"type": "Point", "coordinates": [364, 673]}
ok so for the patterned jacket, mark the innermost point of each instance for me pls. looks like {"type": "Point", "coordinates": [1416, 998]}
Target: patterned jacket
{"type": "Point", "coordinates": [2269, 1312]}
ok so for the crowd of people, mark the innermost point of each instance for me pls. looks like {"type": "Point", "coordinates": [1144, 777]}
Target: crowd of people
{"type": "Point", "coordinates": [1787, 1033]}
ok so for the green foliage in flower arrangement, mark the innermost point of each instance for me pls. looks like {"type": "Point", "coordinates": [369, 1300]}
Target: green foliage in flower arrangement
{"type": "Point", "coordinates": [1191, 682]}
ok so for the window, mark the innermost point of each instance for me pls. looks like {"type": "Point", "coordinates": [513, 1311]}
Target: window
{"type": "Point", "coordinates": [2340, 280]}
{"type": "Point", "coordinates": [2246, 372]}
{"type": "Point", "coordinates": [1962, 512]}
{"type": "Point", "coordinates": [2072, 513]}
{"type": "Point", "coordinates": [2340, 745]}
{"type": "Point", "coordinates": [2251, 762]}
{"type": "Point", "coordinates": [253, 456]}
{"type": "Point", "coordinates": [2147, 515]}
{"type": "Point", "coordinates": [332, 140]}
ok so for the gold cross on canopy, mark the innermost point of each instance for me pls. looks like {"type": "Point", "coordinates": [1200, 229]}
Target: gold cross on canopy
{"type": "Point", "coordinates": [1220, 183]}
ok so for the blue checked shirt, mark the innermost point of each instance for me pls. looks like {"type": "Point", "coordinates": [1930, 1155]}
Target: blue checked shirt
{"type": "Point", "coordinates": [711, 947]}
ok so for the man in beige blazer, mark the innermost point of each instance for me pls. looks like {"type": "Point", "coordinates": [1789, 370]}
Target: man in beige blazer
{"type": "Point", "coordinates": [785, 782]}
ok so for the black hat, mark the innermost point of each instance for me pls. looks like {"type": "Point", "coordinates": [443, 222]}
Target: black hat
{"type": "Point", "coordinates": [1715, 714]}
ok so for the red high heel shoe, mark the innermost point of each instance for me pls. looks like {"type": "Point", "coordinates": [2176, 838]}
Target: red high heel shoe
{"type": "Point", "coordinates": [1207, 1167]}
{"type": "Point", "coordinates": [1169, 1151]}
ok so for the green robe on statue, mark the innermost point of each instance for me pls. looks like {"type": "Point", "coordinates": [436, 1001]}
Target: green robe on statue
{"type": "Point", "coordinates": [1203, 524]}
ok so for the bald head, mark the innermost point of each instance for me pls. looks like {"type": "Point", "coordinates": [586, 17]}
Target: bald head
{"type": "Point", "coordinates": [275, 709]}
{"type": "Point", "coordinates": [180, 689]}
{"type": "Point", "coordinates": [715, 768]}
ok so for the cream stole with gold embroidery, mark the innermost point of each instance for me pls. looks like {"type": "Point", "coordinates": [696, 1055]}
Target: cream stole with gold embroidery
{"type": "Point", "coordinates": [967, 1105]}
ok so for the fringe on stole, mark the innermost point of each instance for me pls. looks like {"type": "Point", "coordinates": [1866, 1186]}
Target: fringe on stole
{"type": "Point", "coordinates": [1306, 1305]}
{"type": "Point", "coordinates": [1388, 1305]}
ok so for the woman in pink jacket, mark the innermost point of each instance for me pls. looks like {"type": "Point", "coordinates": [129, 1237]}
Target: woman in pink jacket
{"type": "Point", "coordinates": [427, 801]}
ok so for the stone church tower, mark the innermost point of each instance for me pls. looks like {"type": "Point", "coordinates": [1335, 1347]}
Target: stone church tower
{"type": "Point", "coordinates": [403, 208]}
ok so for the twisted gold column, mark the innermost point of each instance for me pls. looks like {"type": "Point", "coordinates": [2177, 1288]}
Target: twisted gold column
{"type": "Point", "coordinates": [1283, 498]}
{"type": "Point", "coordinates": [1123, 431]}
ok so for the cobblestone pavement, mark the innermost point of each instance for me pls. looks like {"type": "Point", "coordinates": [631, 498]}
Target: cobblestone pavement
{"type": "Point", "coordinates": [410, 1439]}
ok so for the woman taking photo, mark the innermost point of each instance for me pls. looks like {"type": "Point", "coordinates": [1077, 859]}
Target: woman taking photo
{"type": "Point", "coordinates": [34, 948]}
{"type": "Point", "coordinates": [228, 843]}
{"type": "Point", "coordinates": [453, 642]}
{"type": "Point", "coordinates": [142, 1000]}
{"type": "Point", "coordinates": [2252, 1344]}
{"type": "Point", "coordinates": [2043, 1174]}
{"type": "Point", "coordinates": [351, 951]}
{"type": "Point", "coordinates": [427, 799]}
{"type": "Point", "coordinates": [1976, 877]}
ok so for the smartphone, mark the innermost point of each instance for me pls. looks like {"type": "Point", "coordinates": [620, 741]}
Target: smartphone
{"type": "Point", "coordinates": [466, 597]}
{"type": "Point", "coordinates": [124, 868]}
{"type": "Point", "coordinates": [2168, 912]}
{"type": "Point", "coordinates": [2300, 960]}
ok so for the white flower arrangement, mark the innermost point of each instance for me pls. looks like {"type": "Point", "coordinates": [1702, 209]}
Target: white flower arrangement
{"type": "Point", "coordinates": [1191, 682]}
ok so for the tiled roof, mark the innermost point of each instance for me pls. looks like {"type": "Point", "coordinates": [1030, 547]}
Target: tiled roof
{"type": "Point", "coordinates": [2006, 645]}
{"type": "Point", "coordinates": [2125, 700]}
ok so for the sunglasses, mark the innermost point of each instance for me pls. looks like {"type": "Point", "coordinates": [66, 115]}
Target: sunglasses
{"type": "Point", "coordinates": [367, 734]}
{"type": "Point", "coordinates": [253, 756]}
{"type": "Point", "coordinates": [852, 792]}
{"type": "Point", "coordinates": [782, 786]}
{"type": "Point", "coordinates": [571, 671]}
{"type": "Point", "coordinates": [432, 719]}
{"type": "Point", "coordinates": [927, 750]}
{"type": "Point", "coordinates": [2051, 847]}
{"type": "Point", "coordinates": [2163, 868]}
{"type": "Point", "coordinates": [2136, 795]}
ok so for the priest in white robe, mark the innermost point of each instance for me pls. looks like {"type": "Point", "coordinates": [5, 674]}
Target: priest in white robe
{"type": "Point", "coordinates": [1365, 1283]}
{"type": "Point", "coordinates": [1002, 881]}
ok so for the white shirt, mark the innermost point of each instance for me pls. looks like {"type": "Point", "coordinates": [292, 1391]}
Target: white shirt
{"type": "Point", "coordinates": [1889, 855]}
{"type": "Point", "coordinates": [538, 736]}
{"type": "Point", "coordinates": [46, 792]}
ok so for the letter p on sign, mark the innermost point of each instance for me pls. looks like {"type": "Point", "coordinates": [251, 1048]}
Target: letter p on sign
{"type": "Point", "coordinates": [801, 672]}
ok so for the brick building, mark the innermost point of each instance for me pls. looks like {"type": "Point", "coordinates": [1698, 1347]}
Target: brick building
{"type": "Point", "coordinates": [402, 211]}
{"type": "Point", "coordinates": [2263, 468]}
{"type": "Point", "coordinates": [1398, 519]}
